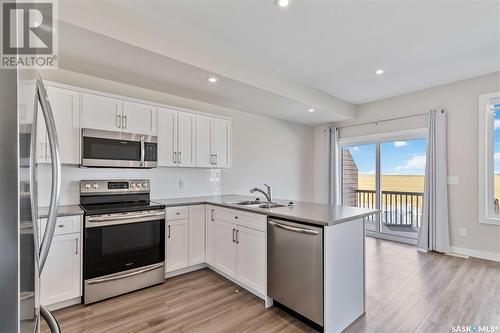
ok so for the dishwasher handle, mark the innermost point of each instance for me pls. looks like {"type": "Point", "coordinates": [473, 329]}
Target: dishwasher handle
{"type": "Point", "coordinates": [294, 229]}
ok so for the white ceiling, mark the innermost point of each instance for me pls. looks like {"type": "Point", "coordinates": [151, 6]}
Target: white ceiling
{"type": "Point", "coordinates": [314, 53]}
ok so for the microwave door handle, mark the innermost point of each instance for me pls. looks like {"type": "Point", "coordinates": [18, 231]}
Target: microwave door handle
{"type": "Point", "coordinates": [142, 151]}
{"type": "Point", "coordinates": [56, 172]}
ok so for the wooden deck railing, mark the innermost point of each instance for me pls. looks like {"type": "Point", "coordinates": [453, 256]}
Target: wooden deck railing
{"type": "Point", "coordinates": [398, 208]}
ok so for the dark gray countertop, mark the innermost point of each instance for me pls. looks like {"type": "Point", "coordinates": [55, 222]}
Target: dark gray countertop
{"type": "Point", "coordinates": [306, 212]}
{"type": "Point", "coordinates": [66, 210]}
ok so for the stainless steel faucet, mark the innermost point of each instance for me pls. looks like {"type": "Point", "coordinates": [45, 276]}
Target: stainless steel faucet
{"type": "Point", "coordinates": [268, 194]}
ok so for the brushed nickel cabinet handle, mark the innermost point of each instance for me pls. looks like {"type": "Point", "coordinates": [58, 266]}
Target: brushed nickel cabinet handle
{"type": "Point", "coordinates": [234, 241]}
{"type": "Point", "coordinates": [125, 122]}
{"type": "Point", "coordinates": [237, 236]}
{"type": "Point", "coordinates": [212, 214]}
{"type": "Point", "coordinates": [118, 121]}
{"type": "Point", "coordinates": [76, 246]}
{"type": "Point", "coordinates": [168, 232]}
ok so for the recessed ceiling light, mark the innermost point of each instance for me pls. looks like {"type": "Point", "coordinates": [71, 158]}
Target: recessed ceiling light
{"type": "Point", "coordinates": [282, 3]}
{"type": "Point", "coordinates": [311, 110]}
{"type": "Point", "coordinates": [379, 71]}
{"type": "Point", "coordinates": [212, 79]}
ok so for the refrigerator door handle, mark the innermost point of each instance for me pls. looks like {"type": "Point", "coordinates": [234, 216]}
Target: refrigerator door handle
{"type": "Point", "coordinates": [50, 319]}
{"type": "Point", "coordinates": [56, 172]}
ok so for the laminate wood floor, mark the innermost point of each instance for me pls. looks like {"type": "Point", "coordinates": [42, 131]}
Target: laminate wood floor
{"type": "Point", "coordinates": [407, 291]}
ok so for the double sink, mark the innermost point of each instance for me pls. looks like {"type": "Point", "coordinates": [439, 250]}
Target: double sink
{"type": "Point", "coordinates": [256, 204]}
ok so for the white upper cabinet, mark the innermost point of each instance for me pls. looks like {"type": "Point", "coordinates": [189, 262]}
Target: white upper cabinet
{"type": "Point", "coordinates": [167, 137]}
{"type": "Point", "coordinates": [213, 142]}
{"type": "Point", "coordinates": [66, 109]}
{"type": "Point", "coordinates": [221, 143]}
{"type": "Point", "coordinates": [65, 105]}
{"type": "Point", "coordinates": [204, 157]}
{"type": "Point", "coordinates": [176, 138]}
{"type": "Point", "coordinates": [186, 139]}
{"type": "Point", "coordinates": [139, 118]}
{"type": "Point", "coordinates": [103, 113]}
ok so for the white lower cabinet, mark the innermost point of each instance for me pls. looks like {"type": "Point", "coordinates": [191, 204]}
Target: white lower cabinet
{"type": "Point", "coordinates": [231, 241]}
{"type": "Point", "coordinates": [61, 279]}
{"type": "Point", "coordinates": [196, 234]}
{"type": "Point", "coordinates": [239, 241]}
{"type": "Point", "coordinates": [177, 239]}
{"type": "Point", "coordinates": [225, 247]}
{"type": "Point", "coordinates": [251, 258]}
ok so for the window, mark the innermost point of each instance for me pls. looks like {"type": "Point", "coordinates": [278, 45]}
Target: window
{"type": "Point", "coordinates": [489, 158]}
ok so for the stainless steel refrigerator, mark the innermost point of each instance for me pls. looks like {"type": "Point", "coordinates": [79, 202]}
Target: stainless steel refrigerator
{"type": "Point", "coordinates": [24, 110]}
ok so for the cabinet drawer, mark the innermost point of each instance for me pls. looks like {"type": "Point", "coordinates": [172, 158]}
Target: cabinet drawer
{"type": "Point", "coordinates": [64, 225]}
{"type": "Point", "coordinates": [245, 219]}
{"type": "Point", "coordinates": [177, 213]}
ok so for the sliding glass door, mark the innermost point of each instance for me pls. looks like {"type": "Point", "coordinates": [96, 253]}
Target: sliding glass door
{"type": "Point", "coordinates": [388, 175]}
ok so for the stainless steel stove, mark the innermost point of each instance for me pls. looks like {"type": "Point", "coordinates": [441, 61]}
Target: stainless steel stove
{"type": "Point", "coordinates": [124, 241]}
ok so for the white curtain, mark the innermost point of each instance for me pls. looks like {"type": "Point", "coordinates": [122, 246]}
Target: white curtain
{"type": "Point", "coordinates": [434, 234]}
{"type": "Point", "coordinates": [333, 138]}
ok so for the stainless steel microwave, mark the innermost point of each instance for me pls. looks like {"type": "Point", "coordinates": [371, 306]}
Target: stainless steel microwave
{"type": "Point", "coordinates": [108, 149]}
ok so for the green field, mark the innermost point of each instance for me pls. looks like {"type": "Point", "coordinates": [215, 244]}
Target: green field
{"type": "Point", "coordinates": [397, 183]}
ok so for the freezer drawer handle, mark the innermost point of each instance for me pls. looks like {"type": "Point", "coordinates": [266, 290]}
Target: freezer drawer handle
{"type": "Point", "coordinates": [294, 229]}
{"type": "Point", "coordinates": [117, 277]}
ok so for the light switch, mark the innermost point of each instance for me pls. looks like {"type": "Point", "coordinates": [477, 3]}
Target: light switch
{"type": "Point", "coordinates": [462, 232]}
{"type": "Point", "coordinates": [452, 180]}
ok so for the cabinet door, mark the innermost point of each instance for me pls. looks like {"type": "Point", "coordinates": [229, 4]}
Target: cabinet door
{"type": "Point", "coordinates": [177, 244]}
{"type": "Point", "coordinates": [186, 139]}
{"type": "Point", "coordinates": [167, 137]}
{"type": "Point", "coordinates": [251, 258]}
{"type": "Point", "coordinates": [66, 109]}
{"type": "Point", "coordinates": [61, 276]}
{"type": "Point", "coordinates": [103, 113]}
{"type": "Point", "coordinates": [225, 248]}
{"type": "Point", "coordinates": [196, 234]}
{"type": "Point", "coordinates": [139, 118]}
{"type": "Point", "coordinates": [210, 234]}
{"type": "Point", "coordinates": [222, 143]}
{"type": "Point", "coordinates": [204, 142]}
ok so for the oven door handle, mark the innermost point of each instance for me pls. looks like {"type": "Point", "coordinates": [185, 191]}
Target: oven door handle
{"type": "Point", "coordinates": [104, 221]}
{"type": "Point", "coordinates": [121, 276]}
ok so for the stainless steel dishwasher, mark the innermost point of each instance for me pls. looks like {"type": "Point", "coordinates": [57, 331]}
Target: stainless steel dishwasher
{"type": "Point", "coordinates": [295, 267]}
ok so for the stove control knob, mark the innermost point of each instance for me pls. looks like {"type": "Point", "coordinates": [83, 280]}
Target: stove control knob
{"type": "Point", "coordinates": [144, 184]}
{"type": "Point", "coordinates": [138, 184]}
{"type": "Point", "coordinates": [87, 186]}
{"type": "Point", "coordinates": [95, 185]}
{"type": "Point", "coordinates": [132, 185]}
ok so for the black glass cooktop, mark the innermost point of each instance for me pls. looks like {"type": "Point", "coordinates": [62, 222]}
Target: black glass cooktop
{"type": "Point", "coordinates": [120, 207]}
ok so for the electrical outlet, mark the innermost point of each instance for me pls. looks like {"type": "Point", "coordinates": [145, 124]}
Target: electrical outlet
{"type": "Point", "coordinates": [181, 184]}
{"type": "Point", "coordinates": [462, 232]}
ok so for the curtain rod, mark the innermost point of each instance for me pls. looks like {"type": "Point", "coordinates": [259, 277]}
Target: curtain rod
{"type": "Point", "coordinates": [385, 120]}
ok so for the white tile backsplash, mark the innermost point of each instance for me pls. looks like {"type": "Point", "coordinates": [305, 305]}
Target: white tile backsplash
{"type": "Point", "coordinates": [165, 182]}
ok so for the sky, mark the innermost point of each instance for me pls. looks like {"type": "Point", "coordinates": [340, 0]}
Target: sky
{"type": "Point", "coordinates": [397, 157]}
{"type": "Point", "coordinates": [496, 115]}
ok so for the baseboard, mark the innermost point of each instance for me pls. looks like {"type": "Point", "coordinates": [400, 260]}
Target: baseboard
{"type": "Point", "coordinates": [64, 304]}
{"type": "Point", "coordinates": [475, 253]}
{"type": "Point", "coordinates": [185, 270]}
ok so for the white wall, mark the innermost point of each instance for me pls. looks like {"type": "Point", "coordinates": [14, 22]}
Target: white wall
{"type": "Point", "coordinates": [460, 100]}
{"type": "Point", "coordinates": [265, 150]}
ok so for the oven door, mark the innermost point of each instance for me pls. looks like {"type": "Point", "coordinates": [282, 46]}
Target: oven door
{"type": "Point", "coordinates": [118, 150]}
{"type": "Point", "coordinates": [120, 242]}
